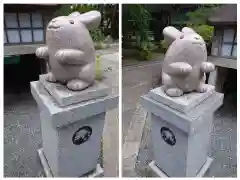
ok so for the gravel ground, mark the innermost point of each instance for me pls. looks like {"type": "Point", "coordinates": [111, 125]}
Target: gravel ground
{"type": "Point", "coordinates": [22, 136]}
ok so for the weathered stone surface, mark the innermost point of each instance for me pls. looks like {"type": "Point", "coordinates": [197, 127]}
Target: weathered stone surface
{"type": "Point", "coordinates": [184, 65]}
{"type": "Point", "coordinates": [183, 103]}
{"type": "Point", "coordinates": [111, 144]}
{"type": "Point", "coordinates": [65, 97]}
{"type": "Point", "coordinates": [64, 156]}
{"type": "Point", "coordinates": [65, 115]}
{"type": "Point", "coordinates": [181, 139]}
{"type": "Point", "coordinates": [98, 172]}
{"type": "Point", "coordinates": [71, 135]}
{"type": "Point", "coordinates": [70, 50]}
{"type": "Point", "coordinates": [172, 116]}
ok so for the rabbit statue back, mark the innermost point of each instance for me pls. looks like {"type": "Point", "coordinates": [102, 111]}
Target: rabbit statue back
{"type": "Point", "coordinates": [185, 62]}
{"type": "Point", "coordinates": [70, 50]}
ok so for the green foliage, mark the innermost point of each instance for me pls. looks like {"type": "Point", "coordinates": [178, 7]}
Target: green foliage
{"type": "Point", "coordinates": [205, 31]}
{"type": "Point", "coordinates": [164, 45]}
{"type": "Point", "coordinates": [200, 15]}
{"type": "Point", "coordinates": [137, 18]}
{"type": "Point", "coordinates": [146, 48]}
{"type": "Point", "coordinates": [64, 10]}
{"type": "Point", "coordinates": [97, 35]}
{"type": "Point", "coordinates": [140, 20]}
{"type": "Point", "coordinates": [84, 7]}
{"type": "Point", "coordinates": [101, 45]}
{"type": "Point", "coordinates": [198, 21]}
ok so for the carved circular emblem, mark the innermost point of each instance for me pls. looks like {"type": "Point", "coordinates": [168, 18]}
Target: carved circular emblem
{"type": "Point", "coordinates": [168, 136]}
{"type": "Point", "coordinates": [82, 135]}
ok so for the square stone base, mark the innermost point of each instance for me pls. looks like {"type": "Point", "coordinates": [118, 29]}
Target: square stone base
{"type": "Point", "coordinates": [159, 173]}
{"type": "Point", "coordinates": [184, 103]}
{"type": "Point", "coordinates": [98, 172]}
{"type": "Point", "coordinates": [66, 97]}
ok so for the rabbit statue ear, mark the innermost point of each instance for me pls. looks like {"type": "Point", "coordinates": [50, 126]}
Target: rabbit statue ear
{"type": "Point", "coordinates": [90, 19]}
{"type": "Point", "coordinates": [170, 33]}
{"type": "Point", "coordinates": [187, 30]}
{"type": "Point", "coordinates": [74, 14]}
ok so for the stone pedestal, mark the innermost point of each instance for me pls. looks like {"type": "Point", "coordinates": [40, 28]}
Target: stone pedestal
{"type": "Point", "coordinates": [181, 129]}
{"type": "Point", "coordinates": [71, 125]}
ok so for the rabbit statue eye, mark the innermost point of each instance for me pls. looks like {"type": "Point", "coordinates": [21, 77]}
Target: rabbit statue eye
{"type": "Point", "coordinates": [197, 38]}
{"type": "Point", "coordinates": [181, 37]}
{"type": "Point", "coordinates": [71, 22]}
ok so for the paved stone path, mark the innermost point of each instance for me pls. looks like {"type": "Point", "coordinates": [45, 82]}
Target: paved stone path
{"type": "Point", "coordinates": [136, 80]}
{"type": "Point", "coordinates": [22, 132]}
{"type": "Point", "coordinates": [110, 66]}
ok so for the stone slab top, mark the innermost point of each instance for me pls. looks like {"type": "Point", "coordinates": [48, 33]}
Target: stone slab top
{"type": "Point", "coordinates": [65, 97]}
{"type": "Point", "coordinates": [184, 121]}
{"type": "Point", "coordinates": [61, 116]}
{"type": "Point", "coordinates": [183, 103]}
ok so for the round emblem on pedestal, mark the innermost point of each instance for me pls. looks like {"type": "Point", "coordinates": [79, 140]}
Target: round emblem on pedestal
{"type": "Point", "coordinates": [82, 135]}
{"type": "Point", "coordinates": [168, 136]}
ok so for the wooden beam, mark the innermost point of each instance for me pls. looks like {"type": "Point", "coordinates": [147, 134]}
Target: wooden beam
{"type": "Point", "coordinates": [223, 62]}
{"type": "Point", "coordinates": [21, 49]}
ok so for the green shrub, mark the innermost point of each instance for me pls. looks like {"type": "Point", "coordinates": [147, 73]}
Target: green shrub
{"type": "Point", "coordinates": [164, 45]}
{"type": "Point", "coordinates": [84, 7]}
{"type": "Point", "coordinates": [97, 35]}
{"type": "Point", "coordinates": [205, 31]}
{"type": "Point", "coordinates": [137, 18]}
{"type": "Point", "coordinates": [198, 21]}
{"type": "Point", "coordinates": [146, 49]}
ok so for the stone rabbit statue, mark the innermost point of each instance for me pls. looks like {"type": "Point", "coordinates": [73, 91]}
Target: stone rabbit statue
{"type": "Point", "coordinates": [70, 50]}
{"type": "Point", "coordinates": [185, 62]}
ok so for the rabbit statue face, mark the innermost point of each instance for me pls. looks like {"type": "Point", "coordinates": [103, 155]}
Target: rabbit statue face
{"type": "Point", "coordinates": [73, 29]}
{"type": "Point", "coordinates": [186, 46]}
{"type": "Point", "coordinates": [64, 24]}
{"type": "Point", "coordinates": [184, 65]}
{"type": "Point", "coordinates": [70, 49]}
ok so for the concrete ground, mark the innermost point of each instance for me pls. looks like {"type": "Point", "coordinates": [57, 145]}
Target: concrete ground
{"type": "Point", "coordinates": [22, 132]}
{"type": "Point", "coordinates": [110, 65]}
{"type": "Point", "coordinates": [137, 148]}
{"type": "Point", "coordinates": [136, 80]}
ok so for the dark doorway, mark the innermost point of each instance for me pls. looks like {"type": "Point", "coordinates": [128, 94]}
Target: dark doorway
{"type": "Point", "coordinates": [18, 76]}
